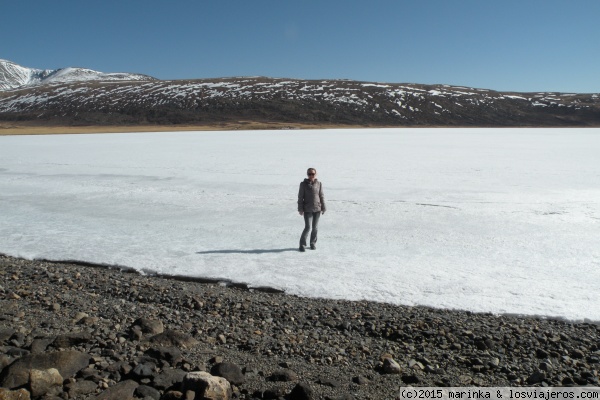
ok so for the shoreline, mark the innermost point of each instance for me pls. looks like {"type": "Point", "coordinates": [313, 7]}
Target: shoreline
{"type": "Point", "coordinates": [341, 349]}
{"type": "Point", "coordinates": [16, 130]}
{"type": "Point", "coordinates": [7, 129]}
{"type": "Point", "coordinates": [228, 283]}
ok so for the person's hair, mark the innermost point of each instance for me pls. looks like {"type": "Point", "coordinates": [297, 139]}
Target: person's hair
{"type": "Point", "coordinates": [311, 169]}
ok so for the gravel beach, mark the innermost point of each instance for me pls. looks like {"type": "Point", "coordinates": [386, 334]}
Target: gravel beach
{"type": "Point", "coordinates": [97, 332]}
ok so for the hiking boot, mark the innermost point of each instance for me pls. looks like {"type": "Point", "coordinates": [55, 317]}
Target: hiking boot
{"type": "Point", "coordinates": [313, 247]}
{"type": "Point", "coordinates": [301, 249]}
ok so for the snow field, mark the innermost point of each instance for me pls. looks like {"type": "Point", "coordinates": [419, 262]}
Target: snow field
{"type": "Point", "coordinates": [498, 220]}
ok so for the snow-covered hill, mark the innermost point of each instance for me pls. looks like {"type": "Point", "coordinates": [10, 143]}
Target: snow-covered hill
{"type": "Point", "coordinates": [14, 76]}
{"type": "Point", "coordinates": [76, 96]}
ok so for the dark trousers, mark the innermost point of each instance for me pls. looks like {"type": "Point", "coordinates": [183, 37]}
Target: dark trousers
{"type": "Point", "coordinates": [310, 218]}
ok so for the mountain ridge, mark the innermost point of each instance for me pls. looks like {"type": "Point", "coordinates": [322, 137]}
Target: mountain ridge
{"type": "Point", "coordinates": [126, 101]}
{"type": "Point", "coordinates": [14, 76]}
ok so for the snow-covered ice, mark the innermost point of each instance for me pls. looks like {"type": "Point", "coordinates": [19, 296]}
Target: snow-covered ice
{"type": "Point", "coordinates": [498, 220]}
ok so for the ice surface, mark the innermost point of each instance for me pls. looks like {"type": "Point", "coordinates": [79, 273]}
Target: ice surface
{"type": "Point", "coordinates": [498, 220]}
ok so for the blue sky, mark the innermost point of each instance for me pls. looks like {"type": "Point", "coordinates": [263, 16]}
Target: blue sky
{"type": "Point", "coordinates": [512, 45]}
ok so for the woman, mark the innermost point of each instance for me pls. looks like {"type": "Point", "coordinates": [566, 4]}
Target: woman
{"type": "Point", "coordinates": [311, 204]}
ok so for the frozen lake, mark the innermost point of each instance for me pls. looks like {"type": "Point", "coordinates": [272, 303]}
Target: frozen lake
{"type": "Point", "coordinates": [498, 220]}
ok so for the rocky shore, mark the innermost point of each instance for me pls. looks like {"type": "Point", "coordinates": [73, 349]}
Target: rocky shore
{"type": "Point", "coordinates": [70, 331]}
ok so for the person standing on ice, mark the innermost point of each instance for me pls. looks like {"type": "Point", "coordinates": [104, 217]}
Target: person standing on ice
{"type": "Point", "coordinates": [311, 204]}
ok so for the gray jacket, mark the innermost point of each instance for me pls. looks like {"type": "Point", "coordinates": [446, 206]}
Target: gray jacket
{"type": "Point", "coordinates": [311, 197]}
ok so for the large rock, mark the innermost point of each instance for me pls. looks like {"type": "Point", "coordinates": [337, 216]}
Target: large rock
{"type": "Point", "coordinates": [6, 333]}
{"type": "Point", "coordinates": [229, 371]}
{"type": "Point", "coordinates": [20, 394]}
{"type": "Point", "coordinates": [149, 326]}
{"type": "Point", "coordinates": [390, 366]}
{"type": "Point", "coordinates": [536, 377]}
{"type": "Point", "coordinates": [302, 391]}
{"type": "Point", "coordinates": [41, 344]}
{"type": "Point", "coordinates": [5, 361]}
{"type": "Point", "coordinates": [81, 387]}
{"type": "Point", "coordinates": [173, 338]}
{"type": "Point", "coordinates": [170, 354]}
{"type": "Point", "coordinates": [147, 392]}
{"type": "Point", "coordinates": [283, 375]}
{"type": "Point", "coordinates": [68, 363]}
{"type": "Point", "coordinates": [14, 352]}
{"type": "Point", "coordinates": [144, 370]}
{"type": "Point", "coordinates": [41, 382]}
{"type": "Point", "coordinates": [121, 391]}
{"type": "Point", "coordinates": [170, 378]}
{"type": "Point", "coordinates": [71, 339]}
{"type": "Point", "coordinates": [207, 387]}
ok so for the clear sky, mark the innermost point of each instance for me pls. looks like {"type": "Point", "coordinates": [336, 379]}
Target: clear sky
{"type": "Point", "coordinates": [512, 45]}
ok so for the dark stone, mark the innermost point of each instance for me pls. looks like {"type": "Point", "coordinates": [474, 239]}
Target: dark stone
{"type": "Point", "coordinates": [302, 391]}
{"type": "Point", "coordinates": [272, 394]}
{"type": "Point", "coordinates": [149, 326]}
{"type": "Point", "coordinates": [229, 371]}
{"type": "Point", "coordinates": [120, 391]}
{"type": "Point", "coordinates": [71, 339]}
{"type": "Point", "coordinates": [122, 367]}
{"type": "Point", "coordinates": [6, 333]}
{"type": "Point", "coordinates": [283, 375]}
{"type": "Point", "coordinates": [91, 374]}
{"type": "Point", "coordinates": [172, 395]}
{"type": "Point", "coordinates": [68, 363]}
{"type": "Point", "coordinates": [16, 352]}
{"type": "Point", "coordinates": [587, 375]}
{"type": "Point", "coordinates": [17, 339]}
{"type": "Point", "coordinates": [329, 382]}
{"type": "Point", "coordinates": [144, 391]}
{"type": "Point", "coordinates": [81, 387]}
{"type": "Point", "coordinates": [410, 379]}
{"type": "Point", "coordinates": [536, 377]}
{"type": "Point", "coordinates": [88, 321]}
{"type": "Point", "coordinates": [40, 345]}
{"type": "Point", "coordinates": [544, 366]}
{"type": "Point", "coordinates": [578, 354]}
{"type": "Point", "coordinates": [170, 378]}
{"type": "Point", "coordinates": [5, 361]}
{"type": "Point", "coordinates": [360, 380]}
{"type": "Point", "coordinates": [136, 333]}
{"type": "Point", "coordinates": [540, 353]}
{"type": "Point", "coordinates": [481, 345]}
{"type": "Point", "coordinates": [391, 366]}
{"type": "Point", "coordinates": [144, 370]}
{"type": "Point", "coordinates": [567, 381]}
{"type": "Point", "coordinates": [170, 354]}
{"type": "Point", "coordinates": [173, 338]}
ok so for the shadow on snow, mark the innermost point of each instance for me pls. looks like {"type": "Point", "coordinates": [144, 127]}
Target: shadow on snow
{"type": "Point", "coordinates": [256, 251]}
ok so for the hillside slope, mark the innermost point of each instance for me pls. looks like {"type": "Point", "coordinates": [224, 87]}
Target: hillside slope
{"type": "Point", "coordinates": [80, 97]}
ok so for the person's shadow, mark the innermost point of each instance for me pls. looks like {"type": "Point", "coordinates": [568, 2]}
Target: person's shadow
{"type": "Point", "coordinates": [256, 251]}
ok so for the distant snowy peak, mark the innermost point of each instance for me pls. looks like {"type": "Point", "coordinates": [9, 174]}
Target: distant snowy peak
{"type": "Point", "coordinates": [14, 76]}
{"type": "Point", "coordinates": [67, 75]}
